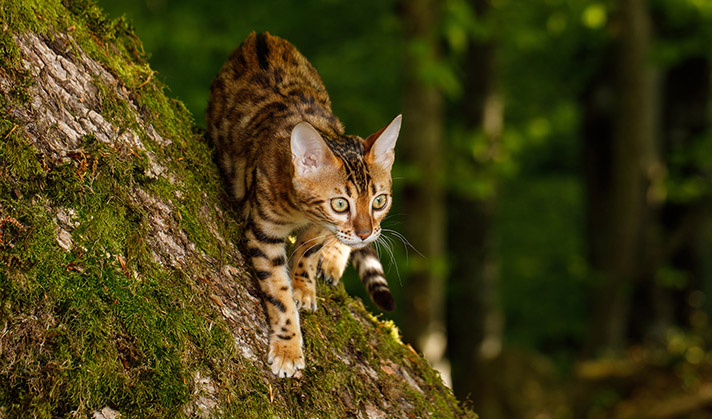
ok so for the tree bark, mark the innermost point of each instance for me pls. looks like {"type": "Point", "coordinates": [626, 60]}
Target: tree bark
{"type": "Point", "coordinates": [122, 287]}
{"type": "Point", "coordinates": [422, 142]}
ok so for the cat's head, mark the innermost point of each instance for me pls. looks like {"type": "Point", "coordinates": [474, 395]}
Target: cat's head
{"type": "Point", "coordinates": [345, 188]}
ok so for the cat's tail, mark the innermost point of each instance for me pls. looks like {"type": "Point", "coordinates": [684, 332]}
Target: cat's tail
{"type": "Point", "coordinates": [371, 272]}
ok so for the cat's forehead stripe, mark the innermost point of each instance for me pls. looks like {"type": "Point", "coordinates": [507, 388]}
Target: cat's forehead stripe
{"type": "Point", "coordinates": [350, 150]}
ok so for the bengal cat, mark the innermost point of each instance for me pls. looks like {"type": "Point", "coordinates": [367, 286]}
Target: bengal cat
{"type": "Point", "coordinates": [291, 167]}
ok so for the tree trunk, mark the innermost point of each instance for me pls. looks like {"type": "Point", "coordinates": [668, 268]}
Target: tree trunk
{"type": "Point", "coordinates": [686, 92]}
{"type": "Point", "coordinates": [122, 288]}
{"type": "Point", "coordinates": [621, 209]}
{"type": "Point", "coordinates": [474, 320]}
{"type": "Point", "coordinates": [424, 323]}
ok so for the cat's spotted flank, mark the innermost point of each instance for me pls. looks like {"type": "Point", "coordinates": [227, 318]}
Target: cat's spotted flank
{"type": "Point", "coordinates": [292, 168]}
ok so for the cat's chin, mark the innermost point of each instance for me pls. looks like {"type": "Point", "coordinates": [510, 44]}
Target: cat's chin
{"type": "Point", "coordinates": [357, 246]}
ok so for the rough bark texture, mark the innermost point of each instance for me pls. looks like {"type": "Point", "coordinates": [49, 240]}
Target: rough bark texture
{"type": "Point", "coordinates": [122, 287]}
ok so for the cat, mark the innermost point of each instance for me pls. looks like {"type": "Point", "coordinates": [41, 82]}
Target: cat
{"type": "Point", "coordinates": [291, 168]}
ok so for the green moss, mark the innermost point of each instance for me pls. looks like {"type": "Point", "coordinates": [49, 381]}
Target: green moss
{"type": "Point", "coordinates": [102, 320]}
{"type": "Point", "coordinates": [9, 52]}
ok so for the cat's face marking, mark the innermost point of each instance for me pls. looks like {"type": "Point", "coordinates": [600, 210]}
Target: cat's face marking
{"type": "Point", "coordinates": [345, 184]}
{"type": "Point", "coordinates": [355, 218]}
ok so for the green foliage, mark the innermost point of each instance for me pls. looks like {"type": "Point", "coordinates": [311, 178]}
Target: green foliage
{"type": "Point", "coordinates": [91, 338]}
{"type": "Point", "coordinates": [550, 266]}
{"type": "Point", "coordinates": [353, 45]}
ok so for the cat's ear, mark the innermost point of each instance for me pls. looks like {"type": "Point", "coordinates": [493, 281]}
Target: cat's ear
{"type": "Point", "coordinates": [310, 154]}
{"type": "Point", "coordinates": [380, 146]}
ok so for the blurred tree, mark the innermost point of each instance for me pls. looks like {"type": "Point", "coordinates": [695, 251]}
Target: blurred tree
{"type": "Point", "coordinates": [620, 168]}
{"type": "Point", "coordinates": [685, 131]}
{"type": "Point", "coordinates": [474, 318]}
{"type": "Point", "coordinates": [421, 151]}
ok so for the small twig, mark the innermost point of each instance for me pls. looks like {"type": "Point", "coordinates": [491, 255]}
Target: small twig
{"type": "Point", "coordinates": [11, 131]}
{"type": "Point", "coordinates": [9, 220]}
{"type": "Point", "coordinates": [150, 75]}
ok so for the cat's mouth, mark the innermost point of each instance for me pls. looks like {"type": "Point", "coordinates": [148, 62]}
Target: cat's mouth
{"type": "Point", "coordinates": [356, 242]}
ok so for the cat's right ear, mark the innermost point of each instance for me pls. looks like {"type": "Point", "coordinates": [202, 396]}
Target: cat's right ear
{"type": "Point", "coordinates": [310, 154]}
{"type": "Point", "coordinates": [380, 145]}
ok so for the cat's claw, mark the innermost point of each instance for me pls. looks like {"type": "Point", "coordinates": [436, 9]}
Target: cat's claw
{"type": "Point", "coordinates": [305, 299]}
{"type": "Point", "coordinates": [285, 359]}
{"type": "Point", "coordinates": [323, 276]}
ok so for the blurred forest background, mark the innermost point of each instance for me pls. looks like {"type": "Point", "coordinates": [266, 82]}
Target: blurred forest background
{"type": "Point", "coordinates": [553, 173]}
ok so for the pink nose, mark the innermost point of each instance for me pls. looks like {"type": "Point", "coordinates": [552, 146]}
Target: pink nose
{"type": "Point", "coordinates": [363, 234]}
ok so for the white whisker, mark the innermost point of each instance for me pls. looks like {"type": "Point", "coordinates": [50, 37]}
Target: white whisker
{"type": "Point", "coordinates": [405, 241]}
{"type": "Point", "coordinates": [308, 241]}
{"type": "Point", "coordinates": [310, 247]}
{"type": "Point", "coordinates": [387, 244]}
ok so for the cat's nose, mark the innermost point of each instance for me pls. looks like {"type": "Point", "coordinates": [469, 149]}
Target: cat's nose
{"type": "Point", "coordinates": [363, 234]}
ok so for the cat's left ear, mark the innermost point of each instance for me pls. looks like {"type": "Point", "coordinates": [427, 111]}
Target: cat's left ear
{"type": "Point", "coordinates": [380, 146]}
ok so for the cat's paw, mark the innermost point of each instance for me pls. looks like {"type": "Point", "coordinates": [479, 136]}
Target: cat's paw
{"type": "Point", "coordinates": [332, 264]}
{"type": "Point", "coordinates": [285, 356]}
{"type": "Point", "coordinates": [305, 298]}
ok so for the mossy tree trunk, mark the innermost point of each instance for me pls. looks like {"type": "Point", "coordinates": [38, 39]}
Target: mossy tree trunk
{"type": "Point", "coordinates": [122, 287]}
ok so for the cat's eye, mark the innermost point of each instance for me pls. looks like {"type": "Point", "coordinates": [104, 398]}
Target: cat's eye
{"type": "Point", "coordinates": [380, 201]}
{"type": "Point", "coordinates": [339, 204]}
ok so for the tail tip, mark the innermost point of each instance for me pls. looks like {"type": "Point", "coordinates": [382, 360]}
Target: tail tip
{"type": "Point", "coordinates": [384, 300]}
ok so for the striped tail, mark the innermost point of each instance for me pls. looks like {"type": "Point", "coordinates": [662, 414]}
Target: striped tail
{"type": "Point", "coordinates": [371, 272]}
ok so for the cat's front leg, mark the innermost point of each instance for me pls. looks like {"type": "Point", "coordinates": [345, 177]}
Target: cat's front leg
{"type": "Point", "coordinates": [317, 254]}
{"type": "Point", "coordinates": [303, 266]}
{"type": "Point", "coordinates": [332, 261]}
{"type": "Point", "coordinates": [267, 253]}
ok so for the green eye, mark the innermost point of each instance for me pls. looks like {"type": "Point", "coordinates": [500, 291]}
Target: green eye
{"type": "Point", "coordinates": [339, 204]}
{"type": "Point", "coordinates": [380, 201]}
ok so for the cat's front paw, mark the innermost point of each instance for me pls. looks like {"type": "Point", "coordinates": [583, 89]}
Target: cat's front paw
{"type": "Point", "coordinates": [285, 356]}
{"type": "Point", "coordinates": [305, 298]}
{"type": "Point", "coordinates": [332, 264]}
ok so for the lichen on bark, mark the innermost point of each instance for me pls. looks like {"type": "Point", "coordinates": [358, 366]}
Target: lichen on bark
{"type": "Point", "coordinates": [122, 287]}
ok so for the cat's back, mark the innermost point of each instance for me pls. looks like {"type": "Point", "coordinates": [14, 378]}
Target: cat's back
{"type": "Point", "coordinates": [264, 89]}
{"type": "Point", "coordinates": [266, 85]}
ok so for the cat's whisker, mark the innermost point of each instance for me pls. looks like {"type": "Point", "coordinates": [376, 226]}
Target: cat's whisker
{"type": "Point", "coordinates": [327, 244]}
{"type": "Point", "coordinates": [308, 241]}
{"type": "Point", "coordinates": [389, 219]}
{"type": "Point", "coordinates": [387, 244]}
{"type": "Point", "coordinates": [375, 246]}
{"type": "Point", "coordinates": [405, 241]}
{"type": "Point", "coordinates": [308, 249]}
